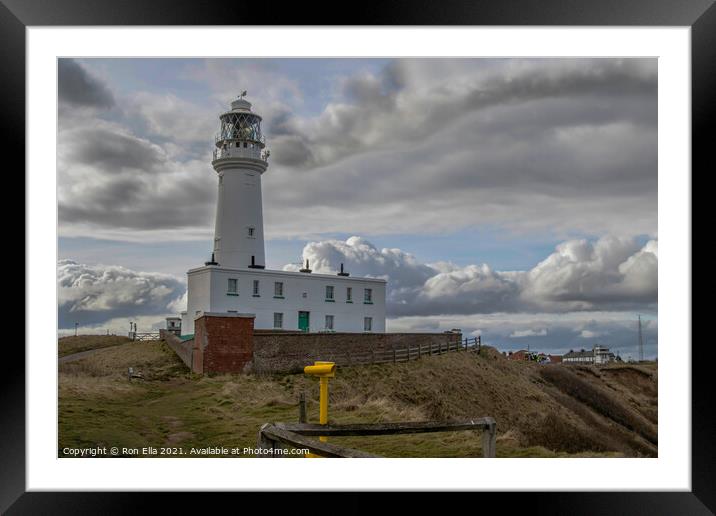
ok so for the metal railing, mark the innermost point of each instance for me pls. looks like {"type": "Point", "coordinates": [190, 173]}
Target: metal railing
{"type": "Point", "coordinates": [233, 152]}
{"type": "Point", "coordinates": [218, 137]}
{"type": "Point", "coordinates": [144, 335]}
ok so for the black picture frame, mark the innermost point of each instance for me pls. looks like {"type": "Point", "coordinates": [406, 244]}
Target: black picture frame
{"type": "Point", "coordinates": [16, 15]}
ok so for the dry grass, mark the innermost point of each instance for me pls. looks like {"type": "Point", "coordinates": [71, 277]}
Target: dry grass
{"type": "Point", "coordinates": [598, 399]}
{"type": "Point", "coordinates": [69, 345]}
{"type": "Point", "coordinates": [541, 411]}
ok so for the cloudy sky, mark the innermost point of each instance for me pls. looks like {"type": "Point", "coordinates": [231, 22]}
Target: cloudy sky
{"type": "Point", "coordinates": [512, 198]}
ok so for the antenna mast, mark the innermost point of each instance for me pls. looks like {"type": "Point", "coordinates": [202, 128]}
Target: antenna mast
{"type": "Point", "coordinates": [641, 342]}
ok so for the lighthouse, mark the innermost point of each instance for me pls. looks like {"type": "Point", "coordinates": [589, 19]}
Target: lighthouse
{"type": "Point", "coordinates": [240, 159]}
{"type": "Point", "coordinates": [235, 281]}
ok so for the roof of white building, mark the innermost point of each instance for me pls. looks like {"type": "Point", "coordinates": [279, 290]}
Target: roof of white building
{"type": "Point", "coordinates": [272, 272]}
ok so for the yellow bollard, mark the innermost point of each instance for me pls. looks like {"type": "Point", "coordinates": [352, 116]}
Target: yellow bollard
{"type": "Point", "coordinates": [324, 371]}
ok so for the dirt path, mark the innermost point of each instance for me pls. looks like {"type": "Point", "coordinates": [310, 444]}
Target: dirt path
{"type": "Point", "coordinates": [81, 354]}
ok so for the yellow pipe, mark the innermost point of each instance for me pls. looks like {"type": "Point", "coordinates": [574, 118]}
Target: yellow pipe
{"type": "Point", "coordinates": [324, 371]}
{"type": "Point", "coordinates": [323, 413]}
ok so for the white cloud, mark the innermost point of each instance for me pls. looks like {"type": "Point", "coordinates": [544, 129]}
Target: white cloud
{"type": "Point", "coordinates": [94, 294]}
{"type": "Point", "coordinates": [610, 273]}
{"type": "Point", "coordinates": [528, 333]}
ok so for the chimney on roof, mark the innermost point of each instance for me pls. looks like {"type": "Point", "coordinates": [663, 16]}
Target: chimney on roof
{"type": "Point", "coordinates": [342, 273]}
{"type": "Point", "coordinates": [306, 269]}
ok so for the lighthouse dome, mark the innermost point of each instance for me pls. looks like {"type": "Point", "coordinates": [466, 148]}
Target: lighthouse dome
{"type": "Point", "coordinates": [241, 105]}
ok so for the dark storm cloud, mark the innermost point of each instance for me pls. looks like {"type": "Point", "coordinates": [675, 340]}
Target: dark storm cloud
{"type": "Point", "coordinates": [111, 150]}
{"type": "Point", "coordinates": [517, 143]}
{"type": "Point", "coordinates": [113, 179]}
{"type": "Point", "coordinates": [425, 145]}
{"type": "Point", "coordinates": [78, 87]}
{"type": "Point", "coordinates": [384, 108]}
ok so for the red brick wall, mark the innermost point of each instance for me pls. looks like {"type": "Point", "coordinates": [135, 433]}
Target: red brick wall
{"type": "Point", "coordinates": [223, 344]}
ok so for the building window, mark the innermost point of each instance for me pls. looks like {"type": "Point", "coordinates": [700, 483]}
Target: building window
{"type": "Point", "coordinates": [367, 324]}
{"type": "Point", "coordinates": [277, 320]}
{"type": "Point", "coordinates": [349, 295]}
{"type": "Point", "coordinates": [368, 296]}
{"type": "Point", "coordinates": [278, 289]}
{"type": "Point", "coordinates": [256, 288]}
{"type": "Point", "coordinates": [329, 322]}
{"type": "Point", "coordinates": [252, 232]}
{"type": "Point", "coordinates": [233, 287]}
{"type": "Point", "coordinates": [329, 293]}
{"type": "Point", "coordinates": [245, 144]}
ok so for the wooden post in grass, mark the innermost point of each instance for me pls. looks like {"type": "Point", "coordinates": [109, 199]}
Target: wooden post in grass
{"type": "Point", "coordinates": [302, 408]}
{"type": "Point", "coordinates": [489, 438]}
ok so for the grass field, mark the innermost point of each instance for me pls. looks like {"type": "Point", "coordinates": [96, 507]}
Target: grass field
{"type": "Point", "coordinates": [541, 411]}
{"type": "Point", "coordinates": [69, 345]}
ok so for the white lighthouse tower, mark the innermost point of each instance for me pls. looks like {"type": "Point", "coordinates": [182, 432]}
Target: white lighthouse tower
{"type": "Point", "coordinates": [235, 280]}
{"type": "Point", "coordinates": [239, 160]}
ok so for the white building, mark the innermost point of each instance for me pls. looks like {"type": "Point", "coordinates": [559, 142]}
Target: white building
{"type": "Point", "coordinates": [597, 355]}
{"type": "Point", "coordinates": [236, 280]}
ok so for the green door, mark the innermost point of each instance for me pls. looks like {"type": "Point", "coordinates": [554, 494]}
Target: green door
{"type": "Point", "coordinates": [303, 321]}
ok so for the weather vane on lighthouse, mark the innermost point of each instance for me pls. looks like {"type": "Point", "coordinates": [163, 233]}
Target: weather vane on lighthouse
{"type": "Point", "coordinates": [243, 94]}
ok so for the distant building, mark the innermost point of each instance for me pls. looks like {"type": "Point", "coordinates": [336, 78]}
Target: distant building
{"type": "Point", "coordinates": [597, 356]}
{"type": "Point", "coordinates": [524, 355]}
{"type": "Point", "coordinates": [174, 325]}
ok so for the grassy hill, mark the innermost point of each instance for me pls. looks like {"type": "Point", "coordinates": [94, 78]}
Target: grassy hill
{"type": "Point", "coordinates": [70, 345]}
{"type": "Point", "coordinates": [541, 411]}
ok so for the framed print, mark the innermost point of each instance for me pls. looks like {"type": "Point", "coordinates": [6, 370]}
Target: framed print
{"type": "Point", "coordinates": [427, 241]}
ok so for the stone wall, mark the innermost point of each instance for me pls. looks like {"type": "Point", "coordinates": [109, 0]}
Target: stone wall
{"type": "Point", "coordinates": [281, 352]}
{"type": "Point", "coordinates": [183, 348]}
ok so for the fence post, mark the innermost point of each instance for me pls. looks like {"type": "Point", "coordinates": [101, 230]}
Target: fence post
{"type": "Point", "coordinates": [302, 408]}
{"type": "Point", "coordinates": [394, 355]}
{"type": "Point", "coordinates": [264, 442]}
{"type": "Point", "coordinates": [489, 438]}
{"type": "Point", "coordinates": [372, 356]}
{"type": "Point", "coordinates": [420, 350]}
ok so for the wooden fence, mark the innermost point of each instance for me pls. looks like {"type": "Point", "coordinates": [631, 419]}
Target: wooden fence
{"type": "Point", "coordinates": [411, 352]}
{"type": "Point", "coordinates": [273, 436]}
